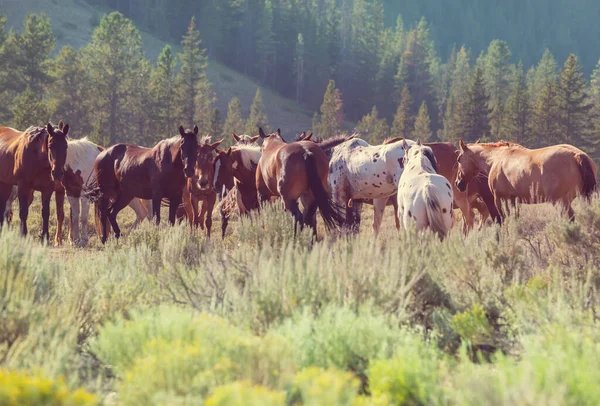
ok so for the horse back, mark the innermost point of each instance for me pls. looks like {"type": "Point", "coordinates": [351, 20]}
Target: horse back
{"type": "Point", "coordinates": [9, 142]}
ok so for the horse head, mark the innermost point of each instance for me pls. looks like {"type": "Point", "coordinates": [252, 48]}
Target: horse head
{"type": "Point", "coordinates": [268, 139]}
{"type": "Point", "coordinates": [468, 166]}
{"type": "Point", "coordinates": [56, 147]}
{"type": "Point", "coordinates": [223, 172]}
{"type": "Point", "coordinates": [188, 148]}
{"type": "Point", "coordinates": [421, 153]}
{"type": "Point", "coordinates": [204, 171]}
{"type": "Point", "coordinates": [245, 139]}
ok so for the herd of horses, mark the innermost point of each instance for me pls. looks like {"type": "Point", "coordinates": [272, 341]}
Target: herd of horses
{"type": "Point", "coordinates": [425, 183]}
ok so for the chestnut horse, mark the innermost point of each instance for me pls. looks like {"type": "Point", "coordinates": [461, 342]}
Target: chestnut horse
{"type": "Point", "coordinates": [293, 171]}
{"type": "Point", "coordinates": [201, 187]}
{"type": "Point", "coordinates": [31, 160]}
{"type": "Point", "coordinates": [124, 172]}
{"type": "Point", "coordinates": [555, 174]}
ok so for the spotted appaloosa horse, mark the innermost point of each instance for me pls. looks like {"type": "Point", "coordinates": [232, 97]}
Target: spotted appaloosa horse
{"type": "Point", "coordinates": [293, 171]}
{"type": "Point", "coordinates": [124, 172]}
{"type": "Point", "coordinates": [358, 171]}
{"type": "Point", "coordinates": [424, 197]}
{"type": "Point", "coordinates": [31, 160]}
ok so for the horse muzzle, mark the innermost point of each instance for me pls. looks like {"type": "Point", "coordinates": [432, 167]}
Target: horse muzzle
{"type": "Point", "coordinates": [57, 175]}
{"type": "Point", "coordinates": [188, 172]}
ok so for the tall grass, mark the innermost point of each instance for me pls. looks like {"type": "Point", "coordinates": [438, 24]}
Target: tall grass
{"type": "Point", "coordinates": [505, 315]}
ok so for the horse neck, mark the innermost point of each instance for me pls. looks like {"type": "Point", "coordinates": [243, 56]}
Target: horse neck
{"type": "Point", "coordinates": [81, 155]}
{"type": "Point", "coordinates": [485, 157]}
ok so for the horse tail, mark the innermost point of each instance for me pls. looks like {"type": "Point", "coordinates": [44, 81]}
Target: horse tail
{"type": "Point", "coordinates": [435, 216]}
{"type": "Point", "coordinates": [331, 213]}
{"type": "Point", "coordinates": [588, 176]}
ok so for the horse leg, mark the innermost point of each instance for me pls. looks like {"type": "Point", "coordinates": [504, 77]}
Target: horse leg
{"type": "Point", "coordinates": [207, 209]}
{"type": "Point", "coordinates": [82, 212]}
{"type": "Point", "coordinates": [462, 203]}
{"type": "Point", "coordinates": [103, 209]}
{"type": "Point", "coordinates": [566, 202]}
{"type": "Point", "coordinates": [356, 214]}
{"type": "Point", "coordinates": [5, 194]}
{"type": "Point", "coordinates": [378, 209]}
{"type": "Point", "coordinates": [23, 193]}
{"type": "Point", "coordinates": [498, 203]}
{"type": "Point", "coordinates": [59, 198]}
{"type": "Point", "coordinates": [121, 202]}
{"type": "Point", "coordinates": [310, 211]}
{"type": "Point", "coordinates": [395, 206]}
{"type": "Point", "coordinates": [156, 203]}
{"type": "Point", "coordinates": [46, 197]}
{"type": "Point", "coordinates": [174, 203]}
{"type": "Point", "coordinates": [292, 206]}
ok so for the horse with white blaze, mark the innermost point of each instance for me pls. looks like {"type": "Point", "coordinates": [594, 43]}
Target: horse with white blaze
{"type": "Point", "coordinates": [424, 196]}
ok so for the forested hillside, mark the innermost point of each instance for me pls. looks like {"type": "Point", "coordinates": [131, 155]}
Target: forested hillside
{"type": "Point", "coordinates": [416, 69]}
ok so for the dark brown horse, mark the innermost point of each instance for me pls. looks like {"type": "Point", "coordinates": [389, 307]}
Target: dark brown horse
{"type": "Point", "coordinates": [201, 187]}
{"type": "Point", "coordinates": [32, 160]}
{"type": "Point", "coordinates": [297, 171]}
{"type": "Point", "coordinates": [126, 171]}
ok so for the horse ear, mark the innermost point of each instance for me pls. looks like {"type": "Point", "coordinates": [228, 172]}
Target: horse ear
{"type": "Point", "coordinates": [216, 144]}
{"type": "Point", "coordinates": [181, 131]}
{"type": "Point", "coordinates": [256, 137]}
{"type": "Point", "coordinates": [261, 133]}
{"type": "Point", "coordinates": [462, 145]}
{"type": "Point", "coordinates": [418, 141]}
{"type": "Point", "coordinates": [65, 130]}
{"type": "Point", "coordinates": [404, 145]}
{"type": "Point", "coordinates": [478, 141]}
{"type": "Point", "coordinates": [196, 129]}
{"type": "Point", "coordinates": [302, 136]}
{"type": "Point", "coordinates": [309, 137]}
{"type": "Point", "coordinates": [50, 129]}
{"type": "Point", "coordinates": [229, 152]}
{"type": "Point", "coordinates": [236, 137]}
{"type": "Point", "coordinates": [61, 125]}
{"type": "Point", "coordinates": [279, 132]}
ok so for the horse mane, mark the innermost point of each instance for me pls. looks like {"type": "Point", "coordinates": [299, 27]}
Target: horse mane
{"type": "Point", "coordinates": [204, 140]}
{"type": "Point", "coordinates": [250, 155]}
{"type": "Point", "coordinates": [334, 141]}
{"type": "Point", "coordinates": [501, 143]}
{"type": "Point", "coordinates": [78, 150]}
{"type": "Point", "coordinates": [34, 134]}
{"type": "Point", "coordinates": [388, 141]}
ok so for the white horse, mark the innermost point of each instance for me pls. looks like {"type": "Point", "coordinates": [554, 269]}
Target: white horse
{"type": "Point", "coordinates": [424, 196]}
{"type": "Point", "coordinates": [79, 165]}
{"type": "Point", "coordinates": [358, 170]}
{"type": "Point", "coordinates": [245, 139]}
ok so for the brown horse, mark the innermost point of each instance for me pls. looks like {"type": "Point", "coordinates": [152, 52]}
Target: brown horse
{"type": "Point", "coordinates": [555, 174]}
{"type": "Point", "coordinates": [297, 171]}
{"type": "Point", "coordinates": [126, 171]}
{"type": "Point", "coordinates": [201, 187]}
{"type": "Point", "coordinates": [32, 160]}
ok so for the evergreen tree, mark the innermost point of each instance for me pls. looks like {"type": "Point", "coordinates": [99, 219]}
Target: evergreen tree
{"type": "Point", "coordinates": [70, 93]}
{"type": "Point", "coordinates": [595, 100]}
{"type": "Point", "coordinates": [163, 87]}
{"type": "Point", "coordinates": [403, 120]}
{"type": "Point", "coordinates": [546, 129]}
{"type": "Point", "coordinates": [518, 110]}
{"type": "Point", "coordinates": [455, 113]}
{"type": "Point", "coordinates": [372, 128]}
{"type": "Point", "coordinates": [573, 104]}
{"type": "Point", "coordinates": [477, 121]}
{"type": "Point", "coordinates": [423, 125]}
{"type": "Point", "coordinates": [140, 107]}
{"type": "Point", "coordinates": [299, 70]}
{"type": "Point", "coordinates": [235, 122]}
{"type": "Point", "coordinates": [544, 72]}
{"type": "Point", "coordinates": [113, 60]}
{"type": "Point", "coordinates": [332, 114]}
{"type": "Point", "coordinates": [5, 112]}
{"type": "Point", "coordinates": [258, 116]}
{"type": "Point", "coordinates": [216, 125]}
{"type": "Point", "coordinates": [30, 64]}
{"type": "Point", "coordinates": [29, 109]}
{"type": "Point", "coordinates": [194, 97]}
{"type": "Point", "coordinates": [497, 72]}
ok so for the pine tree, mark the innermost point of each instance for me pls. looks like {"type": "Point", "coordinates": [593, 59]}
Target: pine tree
{"type": "Point", "coordinates": [372, 128]}
{"type": "Point", "coordinates": [299, 70]}
{"type": "Point", "coordinates": [546, 129]}
{"type": "Point", "coordinates": [455, 113]}
{"type": "Point", "coordinates": [497, 71]}
{"type": "Point", "coordinates": [163, 91]}
{"type": "Point", "coordinates": [573, 104]}
{"type": "Point", "coordinates": [235, 122]}
{"type": "Point", "coordinates": [477, 117]}
{"type": "Point", "coordinates": [258, 116]}
{"type": "Point", "coordinates": [140, 107]}
{"type": "Point", "coordinates": [403, 120]}
{"type": "Point", "coordinates": [29, 109]}
{"type": "Point", "coordinates": [5, 112]}
{"type": "Point", "coordinates": [30, 64]}
{"type": "Point", "coordinates": [595, 100]}
{"type": "Point", "coordinates": [216, 125]}
{"type": "Point", "coordinates": [113, 60]}
{"type": "Point", "coordinates": [331, 112]}
{"type": "Point", "coordinates": [423, 125]}
{"type": "Point", "coordinates": [70, 92]}
{"type": "Point", "coordinates": [518, 110]}
{"type": "Point", "coordinates": [544, 72]}
{"type": "Point", "coordinates": [194, 97]}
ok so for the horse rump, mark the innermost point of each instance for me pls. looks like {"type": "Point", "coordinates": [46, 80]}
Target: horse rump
{"type": "Point", "coordinates": [586, 167]}
{"type": "Point", "coordinates": [332, 214]}
{"type": "Point", "coordinates": [435, 216]}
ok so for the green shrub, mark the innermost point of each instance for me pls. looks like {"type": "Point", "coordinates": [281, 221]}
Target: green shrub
{"type": "Point", "coordinates": [244, 394]}
{"type": "Point", "coordinates": [472, 325]}
{"type": "Point", "coordinates": [316, 386]}
{"type": "Point", "coordinates": [341, 338]}
{"type": "Point", "coordinates": [18, 388]}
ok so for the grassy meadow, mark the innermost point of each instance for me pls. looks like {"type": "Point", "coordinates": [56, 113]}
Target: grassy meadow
{"type": "Point", "coordinates": [504, 316]}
